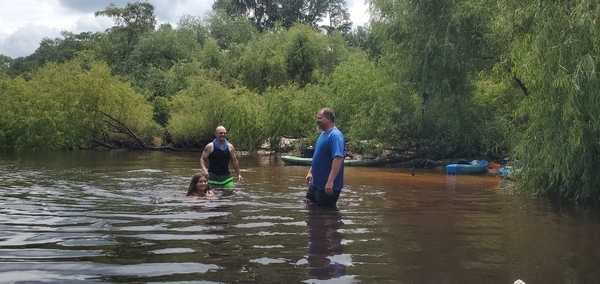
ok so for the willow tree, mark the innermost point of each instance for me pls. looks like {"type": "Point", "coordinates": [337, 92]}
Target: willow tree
{"type": "Point", "coordinates": [66, 106]}
{"type": "Point", "coordinates": [558, 60]}
{"type": "Point", "coordinates": [438, 47]}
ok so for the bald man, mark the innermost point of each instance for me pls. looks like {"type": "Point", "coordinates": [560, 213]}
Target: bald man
{"type": "Point", "coordinates": [218, 154]}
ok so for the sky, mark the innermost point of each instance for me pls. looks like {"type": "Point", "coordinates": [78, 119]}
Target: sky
{"type": "Point", "coordinates": [24, 23]}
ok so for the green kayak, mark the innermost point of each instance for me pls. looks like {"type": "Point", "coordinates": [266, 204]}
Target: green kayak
{"type": "Point", "coordinates": [297, 161]}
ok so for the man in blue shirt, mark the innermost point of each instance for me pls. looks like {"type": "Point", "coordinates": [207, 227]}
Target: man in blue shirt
{"type": "Point", "coordinates": [326, 174]}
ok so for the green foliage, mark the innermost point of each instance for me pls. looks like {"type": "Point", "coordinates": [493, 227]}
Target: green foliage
{"type": "Point", "coordinates": [229, 32]}
{"type": "Point", "coordinates": [262, 63]}
{"type": "Point", "coordinates": [206, 104]}
{"type": "Point", "coordinates": [161, 111]}
{"type": "Point", "coordinates": [290, 112]}
{"type": "Point", "coordinates": [266, 14]}
{"type": "Point", "coordinates": [558, 58]}
{"type": "Point", "coordinates": [211, 55]}
{"type": "Point", "coordinates": [132, 22]}
{"type": "Point", "coordinates": [58, 50]}
{"type": "Point", "coordinates": [296, 56]}
{"type": "Point", "coordinates": [240, 114]}
{"type": "Point", "coordinates": [5, 62]}
{"type": "Point", "coordinates": [497, 101]}
{"type": "Point", "coordinates": [302, 49]}
{"type": "Point", "coordinates": [196, 111]}
{"type": "Point", "coordinates": [66, 106]}
{"type": "Point", "coordinates": [193, 27]}
{"type": "Point", "coordinates": [369, 105]}
{"type": "Point", "coordinates": [176, 78]}
{"type": "Point", "coordinates": [437, 47]}
{"type": "Point", "coordinates": [154, 55]}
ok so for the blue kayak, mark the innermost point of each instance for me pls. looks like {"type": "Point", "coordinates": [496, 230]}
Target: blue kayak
{"type": "Point", "coordinates": [474, 167]}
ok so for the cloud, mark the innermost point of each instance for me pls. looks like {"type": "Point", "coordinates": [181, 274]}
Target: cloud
{"type": "Point", "coordinates": [91, 6]}
{"type": "Point", "coordinates": [166, 11]}
{"type": "Point", "coordinates": [91, 23]}
{"type": "Point", "coordinates": [169, 11]}
{"type": "Point", "coordinates": [26, 40]}
{"type": "Point", "coordinates": [358, 12]}
{"type": "Point", "coordinates": [26, 23]}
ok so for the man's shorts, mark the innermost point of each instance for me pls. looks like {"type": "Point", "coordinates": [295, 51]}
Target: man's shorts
{"type": "Point", "coordinates": [321, 198]}
{"type": "Point", "coordinates": [223, 181]}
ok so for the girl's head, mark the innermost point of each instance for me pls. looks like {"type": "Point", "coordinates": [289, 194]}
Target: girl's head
{"type": "Point", "coordinates": [198, 185]}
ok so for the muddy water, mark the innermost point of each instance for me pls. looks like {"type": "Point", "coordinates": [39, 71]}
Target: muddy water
{"type": "Point", "coordinates": [121, 217]}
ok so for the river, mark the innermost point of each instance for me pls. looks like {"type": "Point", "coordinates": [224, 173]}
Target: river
{"type": "Point", "coordinates": [121, 217]}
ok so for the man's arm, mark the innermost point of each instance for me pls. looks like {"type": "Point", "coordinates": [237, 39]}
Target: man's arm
{"type": "Point", "coordinates": [207, 150]}
{"type": "Point", "coordinates": [236, 164]}
{"type": "Point", "coordinates": [336, 165]}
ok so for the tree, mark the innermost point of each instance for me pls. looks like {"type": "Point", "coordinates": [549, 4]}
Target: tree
{"type": "Point", "coordinates": [193, 27]}
{"type": "Point", "coordinates": [556, 55]}
{"type": "Point", "coordinates": [364, 38]}
{"type": "Point", "coordinates": [338, 17]}
{"type": "Point", "coordinates": [66, 106]}
{"type": "Point", "coordinates": [300, 55]}
{"type": "Point", "coordinates": [266, 13]}
{"type": "Point", "coordinates": [229, 31]}
{"type": "Point", "coordinates": [154, 55]}
{"type": "Point", "coordinates": [5, 62]}
{"type": "Point", "coordinates": [370, 105]}
{"type": "Point", "coordinates": [58, 50]}
{"type": "Point", "coordinates": [438, 47]}
{"type": "Point", "coordinates": [131, 24]}
{"type": "Point", "coordinates": [206, 103]}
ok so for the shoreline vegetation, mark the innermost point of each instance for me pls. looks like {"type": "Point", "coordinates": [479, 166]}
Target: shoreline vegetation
{"type": "Point", "coordinates": [289, 146]}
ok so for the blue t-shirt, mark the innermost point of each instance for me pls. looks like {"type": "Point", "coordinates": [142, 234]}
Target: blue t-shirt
{"type": "Point", "coordinates": [329, 145]}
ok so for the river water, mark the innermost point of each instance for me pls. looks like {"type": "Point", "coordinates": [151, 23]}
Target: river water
{"type": "Point", "coordinates": [121, 217]}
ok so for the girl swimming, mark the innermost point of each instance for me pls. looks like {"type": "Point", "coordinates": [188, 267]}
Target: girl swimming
{"type": "Point", "coordinates": [199, 187]}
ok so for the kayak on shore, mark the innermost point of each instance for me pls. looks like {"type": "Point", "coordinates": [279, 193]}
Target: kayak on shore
{"type": "Point", "coordinates": [298, 161]}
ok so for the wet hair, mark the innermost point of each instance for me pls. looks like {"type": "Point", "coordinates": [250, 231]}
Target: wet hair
{"type": "Point", "coordinates": [193, 183]}
{"type": "Point", "coordinates": [329, 113]}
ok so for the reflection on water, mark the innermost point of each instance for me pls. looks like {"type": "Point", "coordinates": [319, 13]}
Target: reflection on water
{"type": "Point", "coordinates": [122, 217]}
{"type": "Point", "coordinates": [324, 242]}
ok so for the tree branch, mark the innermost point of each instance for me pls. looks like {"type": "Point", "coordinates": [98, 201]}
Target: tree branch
{"type": "Point", "coordinates": [521, 85]}
{"type": "Point", "coordinates": [126, 130]}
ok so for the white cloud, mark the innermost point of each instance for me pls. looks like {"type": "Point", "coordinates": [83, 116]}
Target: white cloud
{"type": "Point", "coordinates": [23, 25]}
{"type": "Point", "coordinates": [358, 12]}
{"type": "Point", "coordinates": [26, 40]}
{"type": "Point", "coordinates": [88, 23]}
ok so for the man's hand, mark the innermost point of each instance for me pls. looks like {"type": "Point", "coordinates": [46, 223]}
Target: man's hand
{"type": "Point", "coordinates": [329, 188]}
